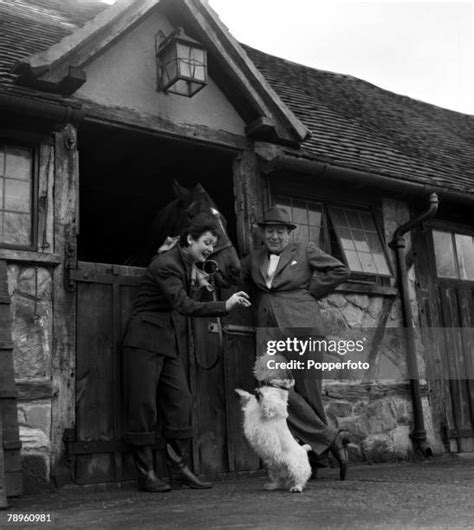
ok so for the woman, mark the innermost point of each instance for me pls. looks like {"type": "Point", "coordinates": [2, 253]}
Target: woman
{"type": "Point", "coordinates": [154, 375]}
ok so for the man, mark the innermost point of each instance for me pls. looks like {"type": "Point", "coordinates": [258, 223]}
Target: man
{"type": "Point", "coordinates": [288, 279]}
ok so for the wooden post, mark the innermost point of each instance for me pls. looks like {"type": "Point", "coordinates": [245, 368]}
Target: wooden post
{"type": "Point", "coordinates": [64, 299]}
{"type": "Point", "coordinates": [251, 198]}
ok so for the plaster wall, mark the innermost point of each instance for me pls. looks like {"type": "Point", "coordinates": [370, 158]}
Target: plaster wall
{"type": "Point", "coordinates": [125, 76]}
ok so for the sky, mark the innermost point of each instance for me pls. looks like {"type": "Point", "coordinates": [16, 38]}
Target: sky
{"type": "Point", "coordinates": [424, 50]}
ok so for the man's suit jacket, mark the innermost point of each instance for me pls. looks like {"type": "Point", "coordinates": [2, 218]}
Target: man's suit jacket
{"type": "Point", "coordinates": [304, 274]}
{"type": "Point", "coordinates": [163, 301]}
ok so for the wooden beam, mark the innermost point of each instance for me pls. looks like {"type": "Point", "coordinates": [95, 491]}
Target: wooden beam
{"type": "Point", "coordinates": [36, 389]}
{"type": "Point", "coordinates": [25, 256]}
{"type": "Point", "coordinates": [145, 123]}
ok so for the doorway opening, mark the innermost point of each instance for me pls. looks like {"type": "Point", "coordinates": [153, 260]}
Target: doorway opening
{"type": "Point", "coordinates": [125, 178]}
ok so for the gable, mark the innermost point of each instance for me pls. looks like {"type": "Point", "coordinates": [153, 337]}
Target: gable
{"type": "Point", "coordinates": [125, 75]}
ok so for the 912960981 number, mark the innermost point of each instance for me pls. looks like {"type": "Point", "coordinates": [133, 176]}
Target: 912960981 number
{"type": "Point", "coordinates": [29, 518]}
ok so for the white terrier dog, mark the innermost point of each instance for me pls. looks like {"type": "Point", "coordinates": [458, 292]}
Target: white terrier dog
{"type": "Point", "coordinates": [266, 430]}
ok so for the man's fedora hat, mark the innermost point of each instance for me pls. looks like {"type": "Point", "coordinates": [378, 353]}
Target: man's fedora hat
{"type": "Point", "coordinates": [277, 216]}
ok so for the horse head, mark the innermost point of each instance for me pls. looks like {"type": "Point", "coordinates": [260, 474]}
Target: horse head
{"type": "Point", "coordinates": [187, 204]}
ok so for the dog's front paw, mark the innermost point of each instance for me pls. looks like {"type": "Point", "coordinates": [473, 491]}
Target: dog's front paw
{"type": "Point", "coordinates": [245, 396]}
{"type": "Point", "coordinates": [296, 489]}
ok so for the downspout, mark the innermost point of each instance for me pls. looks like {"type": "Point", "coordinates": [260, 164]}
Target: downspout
{"type": "Point", "coordinates": [398, 243]}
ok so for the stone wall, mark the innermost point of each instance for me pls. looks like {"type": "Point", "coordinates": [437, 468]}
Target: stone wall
{"type": "Point", "coordinates": [31, 290]}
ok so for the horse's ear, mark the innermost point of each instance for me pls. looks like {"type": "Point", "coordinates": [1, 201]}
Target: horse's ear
{"type": "Point", "coordinates": [180, 191]}
{"type": "Point", "coordinates": [199, 188]}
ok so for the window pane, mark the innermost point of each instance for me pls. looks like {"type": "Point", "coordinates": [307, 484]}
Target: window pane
{"type": "Point", "coordinates": [381, 263]}
{"type": "Point", "coordinates": [299, 214]}
{"type": "Point", "coordinates": [346, 239]}
{"type": "Point", "coordinates": [17, 195]}
{"type": "Point", "coordinates": [353, 218]}
{"type": "Point", "coordinates": [368, 264]}
{"type": "Point", "coordinates": [314, 216]}
{"type": "Point", "coordinates": [315, 235]}
{"type": "Point", "coordinates": [367, 222]}
{"type": "Point", "coordinates": [338, 217]}
{"type": "Point", "coordinates": [2, 184]}
{"type": "Point", "coordinates": [16, 229]}
{"type": "Point", "coordinates": [465, 253]}
{"type": "Point", "coordinates": [360, 241]}
{"type": "Point", "coordinates": [374, 242]}
{"type": "Point", "coordinates": [444, 254]}
{"type": "Point", "coordinates": [353, 261]}
{"type": "Point", "coordinates": [18, 163]}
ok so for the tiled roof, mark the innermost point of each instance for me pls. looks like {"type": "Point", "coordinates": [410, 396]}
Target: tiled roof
{"type": "Point", "coordinates": [354, 124]}
{"type": "Point", "coordinates": [357, 125]}
{"type": "Point", "coordinates": [31, 26]}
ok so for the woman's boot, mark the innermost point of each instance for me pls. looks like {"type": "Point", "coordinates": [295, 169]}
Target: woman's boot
{"type": "Point", "coordinates": [180, 474]}
{"type": "Point", "coordinates": [146, 476]}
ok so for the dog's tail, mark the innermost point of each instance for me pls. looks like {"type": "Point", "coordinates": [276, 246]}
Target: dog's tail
{"type": "Point", "coordinates": [306, 447]}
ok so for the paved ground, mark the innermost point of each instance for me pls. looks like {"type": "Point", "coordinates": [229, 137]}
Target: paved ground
{"type": "Point", "coordinates": [435, 495]}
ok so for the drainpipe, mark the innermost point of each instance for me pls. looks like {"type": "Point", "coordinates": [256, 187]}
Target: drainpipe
{"type": "Point", "coordinates": [398, 243]}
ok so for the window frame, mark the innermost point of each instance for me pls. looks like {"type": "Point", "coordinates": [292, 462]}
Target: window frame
{"type": "Point", "coordinates": [33, 147]}
{"type": "Point", "coordinates": [327, 226]}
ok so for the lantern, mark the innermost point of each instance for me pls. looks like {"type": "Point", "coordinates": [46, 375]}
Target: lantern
{"type": "Point", "coordinates": [181, 63]}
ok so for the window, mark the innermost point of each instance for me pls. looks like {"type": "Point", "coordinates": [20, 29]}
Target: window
{"type": "Point", "coordinates": [308, 216]}
{"type": "Point", "coordinates": [16, 196]}
{"type": "Point", "coordinates": [360, 241]}
{"type": "Point", "coordinates": [454, 254]}
{"type": "Point", "coordinates": [348, 233]}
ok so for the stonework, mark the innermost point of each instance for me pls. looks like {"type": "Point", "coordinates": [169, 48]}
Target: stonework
{"type": "Point", "coordinates": [378, 420]}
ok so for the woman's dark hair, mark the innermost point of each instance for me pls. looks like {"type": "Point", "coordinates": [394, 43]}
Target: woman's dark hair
{"type": "Point", "coordinates": [197, 226]}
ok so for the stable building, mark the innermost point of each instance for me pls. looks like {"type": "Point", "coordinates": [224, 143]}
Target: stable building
{"type": "Point", "coordinates": [97, 122]}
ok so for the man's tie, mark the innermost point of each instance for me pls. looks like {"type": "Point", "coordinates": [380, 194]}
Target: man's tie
{"type": "Point", "coordinates": [272, 267]}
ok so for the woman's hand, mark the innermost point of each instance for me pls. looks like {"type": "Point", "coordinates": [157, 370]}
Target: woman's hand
{"type": "Point", "coordinates": [238, 299]}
